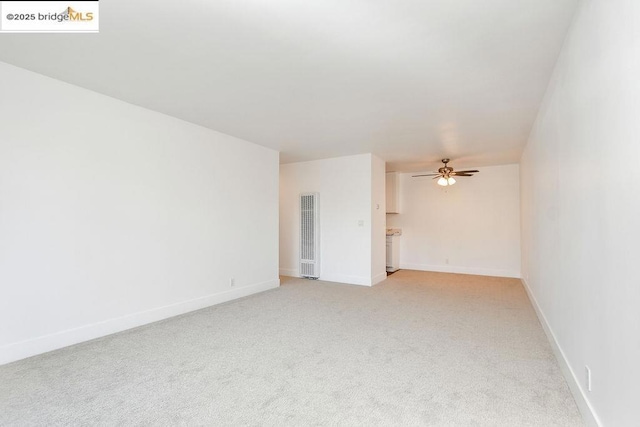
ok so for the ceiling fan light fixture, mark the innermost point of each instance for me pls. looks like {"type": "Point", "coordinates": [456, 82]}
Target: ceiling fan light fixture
{"type": "Point", "coordinates": [445, 174]}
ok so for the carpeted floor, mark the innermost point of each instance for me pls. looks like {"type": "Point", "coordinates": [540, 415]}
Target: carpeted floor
{"type": "Point", "coordinates": [419, 349]}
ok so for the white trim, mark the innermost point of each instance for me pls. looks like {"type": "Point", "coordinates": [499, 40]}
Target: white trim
{"type": "Point", "coordinates": [338, 278]}
{"type": "Point", "coordinates": [31, 347]}
{"type": "Point", "coordinates": [349, 280]}
{"type": "Point", "coordinates": [495, 272]}
{"type": "Point", "coordinates": [378, 278]}
{"type": "Point", "coordinates": [291, 272]}
{"type": "Point", "coordinates": [579, 395]}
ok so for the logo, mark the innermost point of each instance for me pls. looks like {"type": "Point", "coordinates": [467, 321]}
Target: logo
{"type": "Point", "coordinates": [79, 16]}
{"type": "Point", "coordinates": [68, 16]}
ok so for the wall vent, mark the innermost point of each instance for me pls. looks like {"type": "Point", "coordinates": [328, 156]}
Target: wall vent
{"type": "Point", "coordinates": [309, 236]}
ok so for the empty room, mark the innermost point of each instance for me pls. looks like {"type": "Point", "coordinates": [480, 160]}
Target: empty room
{"type": "Point", "coordinates": [286, 213]}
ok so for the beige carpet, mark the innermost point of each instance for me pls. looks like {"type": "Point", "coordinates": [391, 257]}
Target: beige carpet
{"type": "Point", "coordinates": [419, 349]}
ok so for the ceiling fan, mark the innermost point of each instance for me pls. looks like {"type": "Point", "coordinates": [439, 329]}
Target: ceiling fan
{"type": "Point", "coordinates": [446, 173]}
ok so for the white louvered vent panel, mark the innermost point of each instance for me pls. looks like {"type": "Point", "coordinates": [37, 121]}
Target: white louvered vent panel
{"type": "Point", "coordinates": [309, 236]}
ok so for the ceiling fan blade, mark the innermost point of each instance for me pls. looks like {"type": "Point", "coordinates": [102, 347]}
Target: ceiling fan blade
{"type": "Point", "coordinates": [474, 171]}
{"type": "Point", "coordinates": [429, 174]}
{"type": "Point", "coordinates": [461, 174]}
{"type": "Point", "coordinates": [437, 176]}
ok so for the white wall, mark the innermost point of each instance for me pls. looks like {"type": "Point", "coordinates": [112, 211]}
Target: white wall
{"type": "Point", "coordinates": [346, 220]}
{"type": "Point", "coordinates": [470, 227]}
{"type": "Point", "coordinates": [581, 210]}
{"type": "Point", "coordinates": [112, 216]}
{"type": "Point", "coordinates": [378, 220]}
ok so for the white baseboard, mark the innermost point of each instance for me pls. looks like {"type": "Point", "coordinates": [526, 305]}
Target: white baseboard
{"type": "Point", "coordinates": [588, 413]}
{"type": "Point", "coordinates": [378, 278]}
{"type": "Point", "coordinates": [349, 280]}
{"type": "Point", "coordinates": [462, 270]}
{"type": "Point", "coordinates": [23, 349]}
{"type": "Point", "coordinates": [290, 272]}
{"type": "Point", "coordinates": [338, 278]}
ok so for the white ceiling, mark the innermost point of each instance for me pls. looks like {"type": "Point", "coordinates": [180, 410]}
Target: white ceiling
{"type": "Point", "coordinates": [411, 81]}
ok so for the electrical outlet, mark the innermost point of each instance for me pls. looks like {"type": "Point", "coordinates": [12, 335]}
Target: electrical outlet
{"type": "Point", "coordinates": [232, 282]}
{"type": "Point", "coordinates": [446, 261]}
{"type": "Point", "coordinates": [587, 378]}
